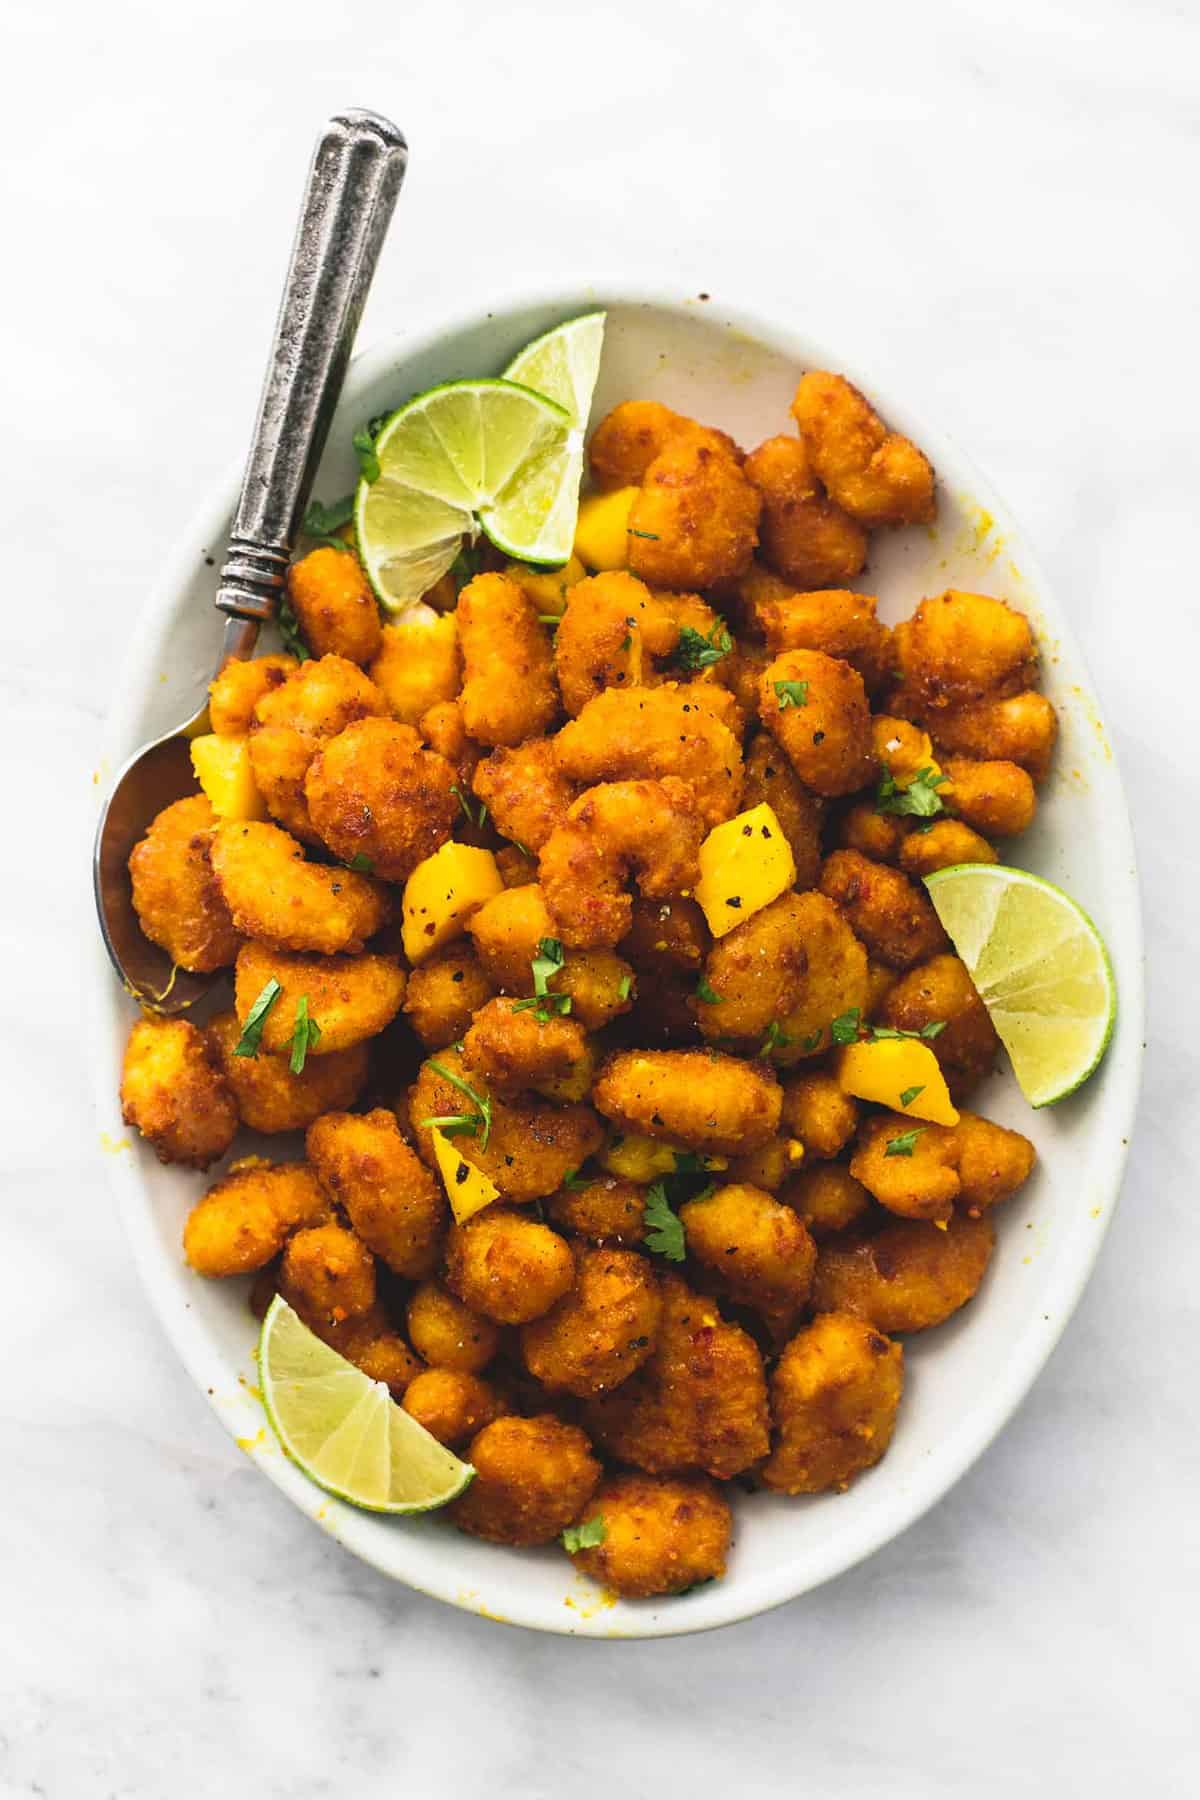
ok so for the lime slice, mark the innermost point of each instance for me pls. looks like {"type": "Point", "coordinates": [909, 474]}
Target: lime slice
{"type": "Point", "coordinates": [468, 456]}
{"type": "Point", "coordinates": [564, 364]}
{"type": "Point", "coordinates": [345, 1430]}
{"type": "Point", "coordinates": [1041, 969]}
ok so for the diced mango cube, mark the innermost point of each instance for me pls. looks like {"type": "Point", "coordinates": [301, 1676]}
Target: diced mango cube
{"type": "Point", "coordinates": [744, 865]}
{"type": "Point", "coordinates": [468, 1189]}
{"type": "Point", "coordinates": [636, 1158]}
{"type": "Point", "coordinates": [549, 587]}
{"type": "Point", "coordinates": [898, 1073]}
{"type": "Point", "coordinates": [602, 529]}
{"type": "Point", "coordinates": [222, 767]}
{"type": "Point", "coordinates": [418, 664]}
{"type": "Point", "coordinates": [443, 893]}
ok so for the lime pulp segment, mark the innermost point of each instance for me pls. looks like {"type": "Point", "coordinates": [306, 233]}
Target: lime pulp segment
{"type": "Point", "coordinates": [563, 364]}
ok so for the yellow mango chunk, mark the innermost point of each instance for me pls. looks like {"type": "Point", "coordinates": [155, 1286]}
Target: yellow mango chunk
{"type": "Point", "coordinates": [468, 1189]}
{"type": "Point", "coordinates": [898, 1073]}
{"type": "Point", "coordinates": [602, 529]}
{"type": "Point", "coordinates": [636, 1158]}
{"type": "Point", "coordinates": [222, 767]}
{"type": "Point", "coordinates": [744, 865]}
{"type": "Point", "coordinates": [418, 664]}
{"type": "Point", "coordinates": [549, 587]}
{"type": "Point", "coordinates": [442, 894]}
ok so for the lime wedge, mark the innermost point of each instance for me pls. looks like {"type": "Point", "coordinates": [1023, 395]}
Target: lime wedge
{"type": "Point", "coordinates": [1041, 969]}
{"type": "Point", "coordinates": [345, 1430]}
{"type": "Point", "coordinates": [469, 456]}
{"type": "Point", "coordinates": [563, 365]}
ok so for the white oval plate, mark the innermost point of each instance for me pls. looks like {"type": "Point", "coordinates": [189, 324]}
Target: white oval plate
{"type": "Point", "coordinates": [965, 1380]}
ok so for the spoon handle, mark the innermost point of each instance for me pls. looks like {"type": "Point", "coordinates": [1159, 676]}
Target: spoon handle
{"type": "Point", "coordinates": [352, 187]}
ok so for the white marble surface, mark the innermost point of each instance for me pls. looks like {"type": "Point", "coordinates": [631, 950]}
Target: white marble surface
{"type": "Point", "coordinates": [995, 205]}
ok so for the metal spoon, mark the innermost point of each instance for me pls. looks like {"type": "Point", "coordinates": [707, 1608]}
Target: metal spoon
{"type": "Point", "coordinates": [352, 186]}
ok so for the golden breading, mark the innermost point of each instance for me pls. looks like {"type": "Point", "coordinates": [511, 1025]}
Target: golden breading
{"type": "Point", "coordinates": [878, 835]}
{"type": "Point", "coordinates": [645, 830]}
{"type": "Point", "coordinates": [372, 1344]}
{"type": "Point", "coordinates": [662, 1534]}
{"type": "Point", "coordinates": [373, 791]}
{"type": "Point", "coordinates": [317, 701]}
{"type": "Point", "coordinates": [1020, 729]}
{"type": "Point", "coordinates": [507, 1266]}
{"type": "Point", "coordinates": [269, 1097]}
{"type": "Point", "coordinates": [890, 914]}
{"type": "Point", "coordinates": [442, 729]}
{"type": "Point", "coordinates": [516, 869]}
{"type": "Point", "coordinates": [351, 998]}
{"type": "Point", "coordinates": [175, 893]}
{"type": "Point", "coordinates": [389, 1196]}
{"type": "Point", "coordinates": [816, 1111]}
{"type": "Point", "coordinates": [327, 1274]}
{"type": "Point", "coordinates": [880, 982]}
{"type": "Point", "coordinates": [246, 1217]}
{"type": "Point", "coordinates": [997, 799]}
{"type": "Point", "coordinates": [761, 1249]}
{"type": "Point", "coordinates": [525, 791]}
{"type": "Point", "coordinates": [612, 627]}
{"type": "Point", "coordinates": [603, 1328]}
{"type": "Point", "coordinates": [335, 609]}
{"type": "Point", "coordinates": [278, 898]}
{"type": "Point", "coordinates": [418, 665]}
{"type": "Point", "coordinates": [448, 1335]}
{"type": "Point", "coordinates": [802, 533]}
{"type": "Point", "coordinates": [769, 1166]}
{"type": "Point", "coordinates": [740, 672]}
{"type": "Point", "coordinates": [606, 1210]}
{"type": "Point", "coordinates": [702, 1099]}
{"type": "Point", "coordinates": [836, 621]}
{"type": "Point", "coordinates": [960, 647]}
{"type": "Point", "coordinates": [452, 1405]}
{"type": "Point", "coordinates": [508, 692]}
{"type": "Point", "coordinates": [835, 1392]}
{"type": "Point", "coordinates": [513, 1048]}
{"type": "Point", "coordinates": [695, 520]}
{"type": "Point", "coordinates": [173, 1092]}
{"type": "Point", "coordinates": [532, 1477]}
{"type": "Point", "coordinates": [908, 1276]}
{"type": "Point", "coordinates": [699, 1403]}
{"type": "Point", "coordinates": [993, 1162]}
{"type": "Point", "coordinates": [507, 931]}
{"type": "Point", "coordinates": [827, 1198]}
{"type": "Point", "coordinates": [836, 981]}
{"type": "Point", "coordinates": [627, 440]}
{"type": "Point", "coordinates": [879, 477]}
{"type": "Point", "coordinates": [770, 779]}
{"type": "Point", "coordinates": [236, 690]}
{"type": "Point", "coordinates": [444, 994]}
{"type": "Point", "coordinates": [965, 1167]}
{"type": "Point", "coordinates": [600, 985]}
{"type": "Point", "coordinates": [757, 971]}
{"type": "Point", "coordinates": [816, 707]}
{"type": "Point", "coordinates": [666, 934]}
{"type": "Point", "coordinates": [941, 991]}
{"type": "Point", "coordinates": [650, 733]}
{"type": "Point", "coordinates": [947, 842]}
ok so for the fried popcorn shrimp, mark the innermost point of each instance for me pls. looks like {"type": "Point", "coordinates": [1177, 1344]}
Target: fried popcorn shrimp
{"type": "Point", "coordinates": [941, 992]}
{"type": "Point", "coordinates": [444, 993]}
{"type": "Point", "coordinates": [836, 981]}
{"type": "Point", "coordinates": [648, 830]}
{"type": "Point", "coordinates": [508, 691]}
{"type": "Point", "coordinates": [372, 1344]}
{"type": "Point", "coordinates": [1021, 729]}
{"type": "Point", "coordinates": [607, 1209]}
{"type": "Point", "coordinates": [835, 621]}
{"type": "Point", "coordinates": [350, 997]}
{"type": "Point", "coordinates": [802, 533]}
{"type": "Point", "coordinates": [448, 1335]}
{"type": "Point", "coordinates": [695, 520]}
{"type": "Point", "coordinates": [246, 1217]}
{"type": "Point", "coordinates": [418, 665]}
{"type": "Point", "coordinates": [603, 1328]}
{"type": "Point", "coordinates": [769, 1166]}
{"type": "Point", "coordinates": [335, 609]}
{"type": "Point", "coordinates": [514, 1049]}
{"type": "Point", "coordinates": [390, 1198]}
{"type": "Point", "coordinates": [507, 931]}
{"type": "Point", "coordinates": [327, 1274]}
{"type": "Point", "coordinates": [877, 476]}
{"type": "Point", "coordinates": [237, 688]}
{"type": "Point", "coordinates": [960, 647]}
{"type": "Point", "coordinates": [442, 730]}
{"type": "Point", "coordinates": [269, 1097]}
{"type": "Point", "coordinates": [908, 1276]}
{"type": "Point", "coordinates": [662, 1534]}
{"type": "Point", "coordinates": [700, 1402]}
{"type": "Point", "coordinates": [373, 791]}
{"type": "Point", "coordinates": [879, 836]}
{"type": "Point", "coordinates": [827, 1199]}
{"type": "Point", "coordinates": [834, 1396]}
{"type": "Point", "coordinates": [759, 1247]}
{"type": "Point", "coordinates": [770, 778]}
{"type": "Point", "coordinates": [885, 909]}
{"type": "Point", "coordinates": [451, 1404]}
{"type": "Point", "coordinates": [815, 706]}
{"type": "Point", "coordinates": [532, 1477]}
{"type": "Point", "coordinates": [317, 701]}
{"type": "Point", "coordinates": [507, 1266]}
{"type": "Point", "coordinates": [176, 896]}
{"type": "Point", "coordinates": [757, 971]}
{"type": "Point", "coordinates": [948, 841]}
{"type": "Point", "coordinates": [612, 627]}
{"type": "Point", "coordinates": [278, 898]}
{"type": "Point", "coordinates": [633, 434]}
{"type": "Point", "coordinates": [816, 1111]}
{"type": "Point", "coordinates": [740, 671]}
{"type": "Point", "coordinates": [526, 791]}
{"type": "Point", "coordinates": [997, 799]}
{"type": "Point", "coordinates": [649, 733]}
{"type": "Point", "coordinates": [702, 1099]}
{"type": "Point", "coordinates": [174, 1094]}
{"type": "Point", "coordinates": [968, 1167]}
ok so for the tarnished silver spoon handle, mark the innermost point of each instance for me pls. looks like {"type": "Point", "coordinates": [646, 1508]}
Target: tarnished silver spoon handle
{"type": "Point", "coordinates": [352, 187]}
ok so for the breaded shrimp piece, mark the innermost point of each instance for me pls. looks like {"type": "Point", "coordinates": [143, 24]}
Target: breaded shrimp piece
{"type": "Point", "coordinates": [603, 1328]}
{"type": "Point", "coordinates": [246, 1217]}
{"type": "Point", "coordinates": [947, 841]}
{"type": "Point", "coordinates": [993, 1162]}
{"type": "Point", "coordinates": [507, 1266]}
{"type": "Point", "coordinates": [666, 934]}
{"type": "Point", "coordinates": [879, 836]}
{"type": "Point", "coordinates": [662, 1534]}
{"type": "Point", "coordinates": [417, 664]}
{"type": "Point", "coordinates": [237, 688]}
{"type": "Point", "coordinates": [740, 672]}
{"type": "Point", "coordinates": [941, 992]}
{"type": "Point", "coordinates": [269, 1097]}
{"type": "Point", "coordinates": [444, 993]}
{"type": "Point", "coordinates": [700, 1402]}
{"type": "Point", "coordinates": [278, 898]}
{"type": "Point", "coordinates": [770, 778]}
{"type": "Point", "coordinates": [513, 1049]}
{"type": "Point", "coordinates": [836, 982]}
{"type": "Point", "coordinates": [884, 908]}
{"type": "Point", "coordinates": [350, 997]}
{"type": "Point", "coordinates": [997, 799]}
{"type": "Point", "coordinates": [757, 971]}
{"type": "Point", "coordinates": [815, 706]}
{"type": "Point", "coordinates": [335, 609]}
{"type": "Point", "coordinates": [373, 791]}
{"type": "Point", "coordinates": [818, 1113]}
{"type": "Point", "coordinates": [1021, 730]}
{"type": "Point", "coordinates": [327, 1274]}
{"type": "Point", "coordinates": [176, 896]}
{"type": "Point", "coordinates": [835, 1392]}
{"type": "Point", "coordinates": [827, 1199]}
{"type": "Point", "coordinates": [907, 1276]}
{"type": "Point", "coordinates": [372, 1344]}
{"type": "Point", "coordinates": [508, 691]}
{"type": "Point", "coordinates": [452, 1405]}
{"type": "Point", "coordinates": [645, 830]}
{"type": "Point", "coordinates": [526, 791]}
{"type": "Point", "coordinates": [532, 1477]}
{"type": "Point", "coordinates": [442, 730]}
{"type": "Point", "coordinates": [649, 733]}
{"type": "Point", "coordinates": [802, 533]}
{"type": "Point", "coordinates": [607, 1210]}
{"type": "Point", "coordinates": [448, 1335]}
{"type": "Point", "coordinates": [879, 477]}
{"type": "Point", "coordinates": [174, 1094]}
{"type": "Point", "coordinates": [966, 1167]}
{"type": "Point", "coordinates": [611, 630]}
{"type": "Point", "coordinates": [389, 1196]}
{"type": "Point", "coordinates": [959, 647]}
{"type": "Point", "coordinates": [759, 1247]}
{"type": "Point", "coordinates": [702, 1099]}
{"type": "Point", "coordinates": [318, 700]}
{"type": "Point", "coordinates": [695, 520]}
{"type": "Point", "coordinates": [507, 932]}
{"type": "Point", "coordinates": [836, 621]}
{"type": "Point", "coordinates": [627, 440]}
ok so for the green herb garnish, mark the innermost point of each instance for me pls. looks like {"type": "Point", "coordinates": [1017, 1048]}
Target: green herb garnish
{"type": "Point", "coordinates": [480, 1124]}
{"type": "Point", "coordinates": [790, 693]}
{"type": "Point", "coordinates": [776, 1039]}
{"type": "Point", "coordinates": [574, 1182]}
{"type": "Point", "coordinates": [875, 1032]}
{"type": "Point", "coordinates": [903, 1145]}
{"type": "Point", "coordinates": [361, 863]}
{"type": "Point", "coordinates": [624, 987]}
{"type": "Point", "coordinates": [652, 535]}
{"type": "Point", "coordinates": [547, 962]}
{"type": "Point", "coordinates": [846, 1026]}
{"type": "Point", "coordinates": [322, 523]}
{"type": "Point", "coordinates": [705, 993]}
{"type": "Point", "coordinates": [919, 799]}
{"type": "Point", "coordinates": [910, 1094]}
{"type": "Point", "coordinates": [585, 1536]}
{"type": "Point", "coordinates": [696, 651]}
{"type": "Point", "coordinates": [256, 1018]}
{"type": "Point", "coordinates": [471, 818]}
{"type": "Point", "coordinates": [289, 630]}
{"type": "Point", "coordinates": [364, 447]}
{"type": "Point", "coordinates": [812, 1040]}
{"type": "Point", "coordinates": [664, 1234]}
{"type": "Point", "coordinates": [306, 1035]}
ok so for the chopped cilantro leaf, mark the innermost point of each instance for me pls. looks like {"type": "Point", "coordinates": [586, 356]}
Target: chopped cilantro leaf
{"type": "Point", "coordinates": [256, 1018]}
{"type": "Point", "coordinates": [918, 798]}
{"type": "Point", "coordinates": [574, 1182]}
{"type": "Point", "coordinates": [776, 1039]}
{"type": "Point", "coordinates": [361, 863]}
{"type": "Point", "coordinates": [364, 445]}
{"type": "Point", "coordinates": [697, 651]}
{"type": "Point", "coordinates": [790, 693]}
{"type": "Point", "coordinates": [845, 1027]}
{"type": "Point", "coordinates": [876, 1032]}
{"type": "Point", "coordinates": [546, 963]}
{"type": "Point", "coordinates": [322, 523]}
{"type": "Point", "coordinates": [910, 1094]}
{"type": "Point", "coordinates": [306, 1035]}
{"type": "Point", "coordinates": [903, 1145]}
{"type": "Point", "coordinates": [481, 1102]}
{"type": "Point", "coordinates": [652, 535]}
{"type": "Point", "coordinates": [812, 1040]}
{"type": "Point", "coordinates": [624, 987]}
{"type": "Point", "coordinates": [705, 993]}
{"type": "Point", "coordinates": [664, 1233]}
{"type": "Point", "coordinates": [585, 1536]}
